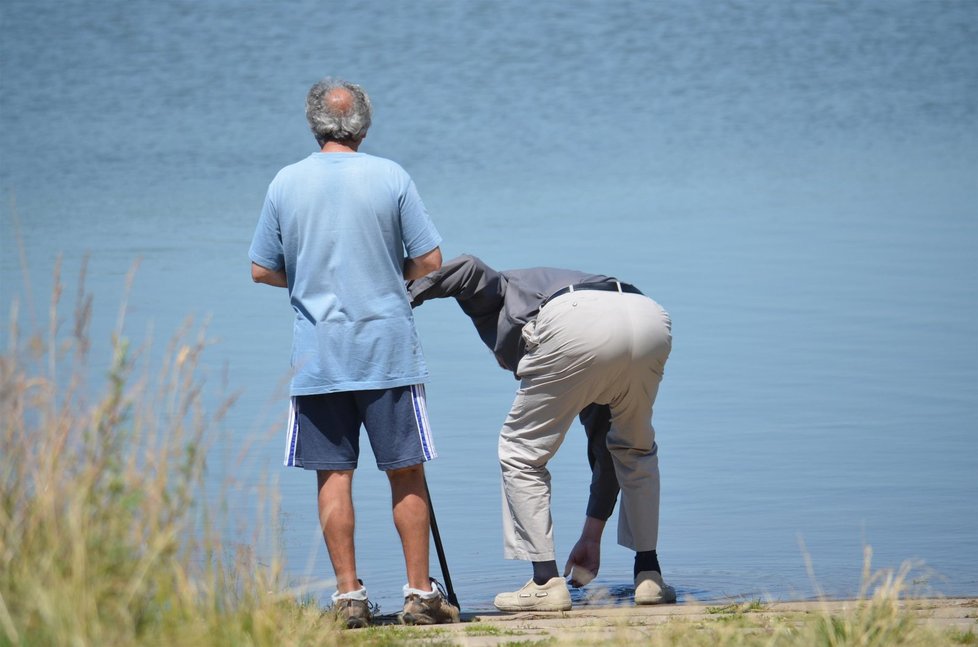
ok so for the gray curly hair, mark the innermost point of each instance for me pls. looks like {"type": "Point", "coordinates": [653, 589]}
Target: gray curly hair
{"type": "Point", "coordinates": [332, 122]}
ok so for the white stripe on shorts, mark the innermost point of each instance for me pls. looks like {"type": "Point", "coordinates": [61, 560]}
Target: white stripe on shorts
{"type": "Point", "coordinates": [291, 435]}
{"type": "Point", "coordinates": [421, 420]}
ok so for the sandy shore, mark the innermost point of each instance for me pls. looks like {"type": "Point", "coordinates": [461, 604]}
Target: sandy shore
{"type": "Point", "coordinates": [630, 624]}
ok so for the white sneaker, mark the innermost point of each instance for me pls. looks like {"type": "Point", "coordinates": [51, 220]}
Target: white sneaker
{"type": "Point", "coordinates": [552, 596]}
{"type": "Point", "coordinates": [650, 589]}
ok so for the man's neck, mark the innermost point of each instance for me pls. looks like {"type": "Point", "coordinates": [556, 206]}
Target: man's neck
{"type": "Point", "coordinates": [340, 147]}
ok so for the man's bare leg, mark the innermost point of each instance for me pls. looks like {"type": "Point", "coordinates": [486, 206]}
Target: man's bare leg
{"type": "Point", "coordinates": [410, 504]}
{"type": "Point", "coordinates": [337, 521]}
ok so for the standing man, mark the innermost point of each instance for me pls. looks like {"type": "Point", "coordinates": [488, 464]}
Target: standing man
{"type": "Point", "coordinates": [580, 344]}
{"type": "Point", "coordinates": [342, 230]}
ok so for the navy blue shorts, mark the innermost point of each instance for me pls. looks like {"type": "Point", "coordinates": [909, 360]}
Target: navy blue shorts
{"type": "Point", "coordinates": [324, 429]}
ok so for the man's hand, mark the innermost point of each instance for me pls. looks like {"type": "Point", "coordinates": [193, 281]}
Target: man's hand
{"type": "Point", "coordinates": [585, 558]}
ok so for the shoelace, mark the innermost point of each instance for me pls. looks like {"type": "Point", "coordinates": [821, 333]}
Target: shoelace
{"type": "Point", "coordinates": [441, 589]}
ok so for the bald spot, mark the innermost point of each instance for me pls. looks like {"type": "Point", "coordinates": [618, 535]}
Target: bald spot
{"type": "Point", "coordinates": [339, 101]}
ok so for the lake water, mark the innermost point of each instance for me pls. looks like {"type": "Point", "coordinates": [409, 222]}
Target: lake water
{"type": "Point", "coordinates": [797, 183]}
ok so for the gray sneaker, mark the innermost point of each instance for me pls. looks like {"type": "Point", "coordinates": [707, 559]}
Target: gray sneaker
{"type": "Point", "coordinates": [552, 596]}
{"type": "Point", "coordinates": [650, 589]}
{"type": "Point", "coordinates": [435, 610]}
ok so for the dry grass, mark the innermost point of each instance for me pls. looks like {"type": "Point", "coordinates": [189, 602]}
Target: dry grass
{"type": "Point", "coordinates": [105, 536]}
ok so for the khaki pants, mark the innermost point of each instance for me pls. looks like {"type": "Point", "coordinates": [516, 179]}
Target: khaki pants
{"type": "Point", "coordinates": [585, 347]}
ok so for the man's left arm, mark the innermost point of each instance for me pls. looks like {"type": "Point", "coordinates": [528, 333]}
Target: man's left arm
{"type": "Point", "coordinates": [596, 419]}
{"type": "Point", "coordinates": [586, 553]}
{"type": "Point", "coordinates": [415, 268]}
{"type": "Point", "coordinates": [475, 285]}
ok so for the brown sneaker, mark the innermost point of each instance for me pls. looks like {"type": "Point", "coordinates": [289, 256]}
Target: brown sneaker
{"type": "Point", "coordinates": [435, 610]}
{"type": "Point", "coordinates": [353, 608]}
{"type": "Point", "coordinates": [355, 614]}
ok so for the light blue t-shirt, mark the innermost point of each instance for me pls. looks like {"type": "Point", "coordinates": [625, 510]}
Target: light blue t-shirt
{"type": "Point", "coordinates": [341, 225]}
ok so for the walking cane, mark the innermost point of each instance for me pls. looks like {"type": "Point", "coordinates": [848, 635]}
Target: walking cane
{"type": "Point", "coordinates": [440, 550]}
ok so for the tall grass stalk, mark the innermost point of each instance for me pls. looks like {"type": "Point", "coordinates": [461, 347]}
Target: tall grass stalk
{"type": "Point", "coordinates": [106, 536]}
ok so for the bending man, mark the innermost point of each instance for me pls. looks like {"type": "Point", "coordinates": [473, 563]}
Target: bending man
{"type": "Point", "coordinates": [580, 344]}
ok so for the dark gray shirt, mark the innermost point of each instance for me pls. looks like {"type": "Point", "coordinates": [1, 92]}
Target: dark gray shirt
{"type": "Point", "coordinates": [500, 304]}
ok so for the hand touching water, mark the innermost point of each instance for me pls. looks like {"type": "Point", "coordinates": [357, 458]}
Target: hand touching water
{"type": "Point", "coordinates": [585, 558]}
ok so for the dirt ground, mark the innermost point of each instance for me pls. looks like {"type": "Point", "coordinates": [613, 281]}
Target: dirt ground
{"type": "Point", "coordinates": [631, 624]}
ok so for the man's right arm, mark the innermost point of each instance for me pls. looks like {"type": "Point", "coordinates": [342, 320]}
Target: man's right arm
{"type": "Point", "coordinates": [266, 251]}
{"type": "Point", "coordinates": [464, 277]}
{"type": "Point", "coordinates": [274, 278]}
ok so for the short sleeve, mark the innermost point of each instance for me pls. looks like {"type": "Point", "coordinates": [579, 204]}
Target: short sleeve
{"type": "Point", "coordinates": [418, 232]}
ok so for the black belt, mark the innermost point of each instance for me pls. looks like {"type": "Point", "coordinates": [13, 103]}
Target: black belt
{"type": "Point", "coordinates": [606, 286]}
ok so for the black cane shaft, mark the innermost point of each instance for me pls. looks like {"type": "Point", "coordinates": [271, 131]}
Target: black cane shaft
{"type": "Point", "coordinates": [449, 589]}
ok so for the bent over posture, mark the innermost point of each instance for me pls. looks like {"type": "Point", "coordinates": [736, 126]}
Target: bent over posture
{"type": "Point", "coordinates": [342, 230]}
{"type": "Point", "coordinates": [581, 345]}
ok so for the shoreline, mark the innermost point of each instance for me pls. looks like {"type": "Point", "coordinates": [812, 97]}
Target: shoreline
{"type": "Point", "coordinates": [620, 624]}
